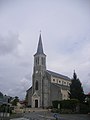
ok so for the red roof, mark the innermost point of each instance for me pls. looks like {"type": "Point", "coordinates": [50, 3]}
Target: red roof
{"type": "Point", "coordinates": [88, 93]}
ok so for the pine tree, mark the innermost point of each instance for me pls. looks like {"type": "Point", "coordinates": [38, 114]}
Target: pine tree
{"type": "Point", "coordinates": [76, 89]}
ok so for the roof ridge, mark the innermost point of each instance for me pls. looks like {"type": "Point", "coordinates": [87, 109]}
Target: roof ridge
{"type": "Point", "coordinates": [58, 75]}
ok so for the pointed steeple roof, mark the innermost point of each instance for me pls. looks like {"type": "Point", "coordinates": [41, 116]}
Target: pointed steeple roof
{"type": "Point", "coordinates": [40, 47]}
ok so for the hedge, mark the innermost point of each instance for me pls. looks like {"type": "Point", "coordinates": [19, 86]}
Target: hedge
{"type": "Point", "coordinates": [66, 104]}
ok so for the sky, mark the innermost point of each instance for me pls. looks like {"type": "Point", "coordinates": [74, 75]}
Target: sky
{"type": "Point", "coordinates": [65, 30]}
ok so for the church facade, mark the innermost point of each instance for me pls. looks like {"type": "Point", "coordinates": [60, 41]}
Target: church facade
{"type": "Point", "coordinates": [47, 85]}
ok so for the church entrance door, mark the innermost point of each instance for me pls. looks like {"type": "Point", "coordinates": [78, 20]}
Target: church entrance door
{"type": "Point", "coordinates": [36, 103]}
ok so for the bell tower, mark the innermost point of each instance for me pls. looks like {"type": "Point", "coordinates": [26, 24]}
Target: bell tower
{"type": "Point", "coordinates": [39, 58]}
{"type": "Point", "coordinates": [38, 75]}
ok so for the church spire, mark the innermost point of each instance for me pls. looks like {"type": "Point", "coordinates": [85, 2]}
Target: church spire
{"type": "Point", "coordinates": [40, 46]}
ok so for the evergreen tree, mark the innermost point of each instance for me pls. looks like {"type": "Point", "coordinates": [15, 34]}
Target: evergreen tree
{"type": "Point", "coordinates": [76, 90]}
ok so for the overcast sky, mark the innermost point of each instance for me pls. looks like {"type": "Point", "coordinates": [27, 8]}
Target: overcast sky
{"type": "Point", "coordinates": [65, 26]}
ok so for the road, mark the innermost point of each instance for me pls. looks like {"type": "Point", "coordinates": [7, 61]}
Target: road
{"type": "Point", "coordinates": [50, 116]}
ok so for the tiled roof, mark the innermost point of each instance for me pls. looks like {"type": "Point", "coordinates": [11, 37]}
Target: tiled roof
{"type": "Point", "coordinates": [58, 75]}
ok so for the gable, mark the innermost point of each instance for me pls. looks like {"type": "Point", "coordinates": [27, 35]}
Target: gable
{"type": "Point", "coordinates": [35, 95]}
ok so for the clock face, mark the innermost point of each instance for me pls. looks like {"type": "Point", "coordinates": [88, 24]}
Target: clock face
{"type": "Point", "coordinates": [36, 71]}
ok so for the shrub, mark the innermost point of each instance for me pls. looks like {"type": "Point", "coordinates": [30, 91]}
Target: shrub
{"type": "Point", "coordinates": [68, 105]}
{"type": "Point", "coordinates": [84, 108]}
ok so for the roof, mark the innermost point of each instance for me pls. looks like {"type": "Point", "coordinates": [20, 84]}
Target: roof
{"type": "Point", "coordinates": [58, 85]}
{"type": "Point", "coordinates": [40, 46]}
{"type": "Point", "coordinates": [1, 95]}
{"type": "Point", "coordinates": [88, 93]}
{"type": "Point", "coordinates": [63, 87]}
{"type": "Point", "coordinates": [29, 88]}
{"type": "Point", "coordinates": [58, 75]}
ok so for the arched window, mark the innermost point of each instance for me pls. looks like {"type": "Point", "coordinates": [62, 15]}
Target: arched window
{"type": "Point", "coordinates": [38, 60]}
{"type": "Point", "coordinates": [43, 61]}
{"type": "Point", "coordinates": [36, 85]}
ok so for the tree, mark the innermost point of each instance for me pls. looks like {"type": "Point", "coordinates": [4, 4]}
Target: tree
{"type": "Point", "coordinates": [76, 89]}
{"type": "Point", "coordinates": [15, 101]}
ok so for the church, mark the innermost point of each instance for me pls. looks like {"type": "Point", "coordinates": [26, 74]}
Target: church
{"type": "Point", "coordinates": [47, 85]}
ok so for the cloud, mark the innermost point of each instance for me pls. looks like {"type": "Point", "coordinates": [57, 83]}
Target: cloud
{"type": "Point", "coordinates": [65, 33]}
{"type": "Point", "coordinates": [21, 87]}
{"type": "Point", "coordinates": [72, 53]}
{"type": "Point", "coordinates": [9, 44]}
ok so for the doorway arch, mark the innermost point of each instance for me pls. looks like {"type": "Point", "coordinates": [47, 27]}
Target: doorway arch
{"type": "Point", "coordinates": [36, 103]}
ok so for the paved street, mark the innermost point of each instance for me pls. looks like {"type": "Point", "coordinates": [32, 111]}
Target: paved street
{"type": "Point", "coordinates": [49, 116]}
